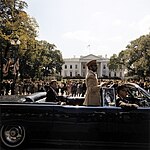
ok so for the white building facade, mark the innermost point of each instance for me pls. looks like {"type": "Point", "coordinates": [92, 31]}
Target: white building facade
{"type": "Point", "coordinates": [74, 67]}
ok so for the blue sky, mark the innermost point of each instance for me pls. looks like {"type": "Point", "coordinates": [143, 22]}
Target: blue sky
{"type": "Point", "coordinates": [82, 27]}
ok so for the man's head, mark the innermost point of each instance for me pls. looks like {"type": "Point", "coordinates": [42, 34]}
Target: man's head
{"type": "Point", "coordinates": [53, 84]}
{"type": "Point", "coordinates": [122, 91]}
{"type": "Point", "coordinates": [92, 65]}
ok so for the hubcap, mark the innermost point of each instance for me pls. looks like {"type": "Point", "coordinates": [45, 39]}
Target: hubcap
{"type": "Point", "coordinates": [12, 136]}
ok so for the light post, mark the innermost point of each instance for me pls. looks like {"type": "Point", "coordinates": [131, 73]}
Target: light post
{"type": "Point", "coordinates": [15, 47]}
{"type": "Point", "coordinates": [15, 42]}
{"type": "Point", "coordinates": [1, 67]}
{"type": "Point", "coordinates": [144, 75]}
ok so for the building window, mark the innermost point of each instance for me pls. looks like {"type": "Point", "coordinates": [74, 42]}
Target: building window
{"type": "Point", "coordinates": [70, 66]}
{"type": "Point", "coordinates": [120, 74]}
{"type": "Point", "coordinates": [83, 66]}
{"type": "Point", "coordinates": [104, 66]}
{"type": "Point", "coordinates": [104, 73]}
{"type": "Point", "coordinates": [83, 74]}
{"type": "Point", "coordinates": [109, 74]}
{"type": "Point", "coordinates": [65, 73]}
{"type": "Point", "coordinates": [65, 66]}
{"type": "Point", "coordinates": [76, 73]}
{"type": "Point", "coordinates": [70, 74]}
{"type": "Point", "coordinates": [114, 74]}
{"type": "Point", "coordinates": [76, 66]}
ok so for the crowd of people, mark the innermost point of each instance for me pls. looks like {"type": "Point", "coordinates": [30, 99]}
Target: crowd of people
{"type": "Point", "coordinates": [70, 87]}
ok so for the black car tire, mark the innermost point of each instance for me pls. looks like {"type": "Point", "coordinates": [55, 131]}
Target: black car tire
{"type": "Point", "coordinates": [12, 136]}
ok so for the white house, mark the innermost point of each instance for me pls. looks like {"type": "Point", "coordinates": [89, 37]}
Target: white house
{"type": "Point", "coordinates": [77, 67]}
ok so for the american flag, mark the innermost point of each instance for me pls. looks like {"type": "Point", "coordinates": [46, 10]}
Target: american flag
{"type": "Point", "coordinates": [16, 67]}
{"type": "Point", "coordinates": [6, 67]}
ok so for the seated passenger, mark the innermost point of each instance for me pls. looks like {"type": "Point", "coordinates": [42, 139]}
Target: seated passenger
{"type": "Point", "coordinates": [124, 101]}
{"type": "Point", "coordinates": [52, 95]}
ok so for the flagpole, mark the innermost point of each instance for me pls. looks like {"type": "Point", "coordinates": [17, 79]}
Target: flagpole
{"type": "Point", "coordinates": [89, 48]}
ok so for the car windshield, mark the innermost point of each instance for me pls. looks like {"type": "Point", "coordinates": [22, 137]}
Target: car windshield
{"type": "Point", "coordinates": [138, 92]}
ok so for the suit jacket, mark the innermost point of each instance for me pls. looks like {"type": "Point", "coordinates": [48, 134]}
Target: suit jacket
{"type": "Point", "coordinates": [51, 95]}
{"type": "Point", "coordinates": [92, 95]}
{"type": "Point", "coordinates": [127, 100]}
{"type": "Point", "coordinates": [120, 99]}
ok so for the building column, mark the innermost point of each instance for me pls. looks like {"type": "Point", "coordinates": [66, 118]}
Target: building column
{"type": "Point", "coordinates": [80, 65]}
{"type": "Point", "coordinates": [98, 69]}
{"type": "Point", "coordinates": [101, 68]}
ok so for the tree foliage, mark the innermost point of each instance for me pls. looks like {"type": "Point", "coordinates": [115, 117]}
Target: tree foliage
{"type": "Point", "coordinates": [33, 54]}
{"type": "Point", "coordinates": [113, 63]}
{"type": "Point", "coordinates": [136, 57]}
{"type": "Point", "coordinates": [41, 60]}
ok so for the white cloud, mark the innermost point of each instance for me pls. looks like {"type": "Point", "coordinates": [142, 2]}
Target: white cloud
{"type": "Point", "coordinates": [80, 35]}
{"type": "Point", "coordinates": [117, 23]}
{"type": "Point", "coordinates": [142, 26]}
{"type": "Point", "coordinates": [115, 39]}
{"type": "Point", "coordinates": [97, 14]}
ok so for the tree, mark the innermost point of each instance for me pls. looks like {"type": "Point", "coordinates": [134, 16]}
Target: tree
{"type": "Point", "coordinates": [15, 23]}
{"type": "Point", "coordinates": [50, 58]}
{"type": "Point", "coordinates": [136, 57]}
{"type": "Point", "coordinates": [140, 56]}
{"type": "Point", "coordinates": [34, 55]}
{"type": "Point", "coordinates": [113, 62]}
{"type": "Point", "coordinates": [44, 59]}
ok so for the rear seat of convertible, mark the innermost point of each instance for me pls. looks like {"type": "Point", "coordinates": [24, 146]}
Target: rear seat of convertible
{"type": "Point", "coordinates": [38, 97]}
{"type": "Point", "coordinates": [35, 97]}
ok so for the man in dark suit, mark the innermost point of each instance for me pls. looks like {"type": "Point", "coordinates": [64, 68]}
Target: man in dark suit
{"type": "Point", "coordinates": [52, 95]}
{"type": "Point", "coordinates": [124, 101]}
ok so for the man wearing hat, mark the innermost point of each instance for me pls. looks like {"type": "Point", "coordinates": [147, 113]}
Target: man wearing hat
{"type": "Point", "coordinates": [92, 95]}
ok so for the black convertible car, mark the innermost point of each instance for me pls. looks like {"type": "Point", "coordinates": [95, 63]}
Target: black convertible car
{"type": "Point", "coordinates": [31, 119]}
